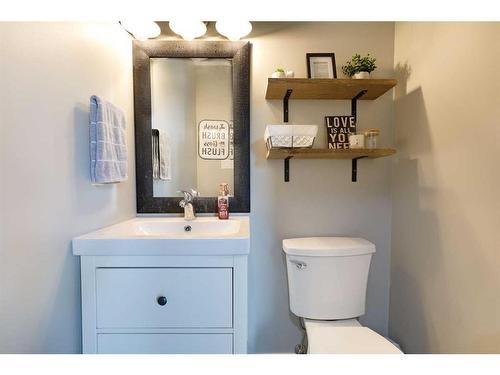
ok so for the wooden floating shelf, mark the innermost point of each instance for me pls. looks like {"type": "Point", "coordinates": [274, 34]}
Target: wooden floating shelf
{"type": "Point", "coordinates": [340, 89]}
{"type": "Point", "coordinates": [334, 89]}
{"type": "Point", "coordinates": [325, 153]}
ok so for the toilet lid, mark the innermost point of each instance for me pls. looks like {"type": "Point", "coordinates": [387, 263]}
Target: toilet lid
{"type": "Point", "coordinates": [327, 246]}
{"type": "Point", "coordinates": [325, 338]}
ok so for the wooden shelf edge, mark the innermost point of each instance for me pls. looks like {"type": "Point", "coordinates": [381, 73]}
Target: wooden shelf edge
{"type": "Point", "coordinates": [340, 81]}
{"type": "Point", "coordinates": [329, 89]}
{"type": "Point", "coordinates": [319, 153]}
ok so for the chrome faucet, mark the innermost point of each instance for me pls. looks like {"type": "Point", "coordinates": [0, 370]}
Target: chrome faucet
{"type": "Point", "coordinates": [187, 203]}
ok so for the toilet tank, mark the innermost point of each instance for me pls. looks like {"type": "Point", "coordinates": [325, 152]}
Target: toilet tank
{"type": "Point", "coordinates": [327, 276]}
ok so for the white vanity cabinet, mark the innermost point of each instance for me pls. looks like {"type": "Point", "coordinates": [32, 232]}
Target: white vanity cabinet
{"type": "Point", "coordinates": [164, 304]}
{"type": "Point", "coordinates": [140, 303]}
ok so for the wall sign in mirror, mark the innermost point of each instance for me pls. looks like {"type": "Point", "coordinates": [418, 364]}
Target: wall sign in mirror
{"type": "Point", "coordinates": [195, 95]}
{"type": "Point", "coordinates": [229, 162]}
{"type": "Point", "coordinates": [213, 139]}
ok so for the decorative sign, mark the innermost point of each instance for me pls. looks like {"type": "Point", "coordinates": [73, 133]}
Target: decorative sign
{"type": "Point", "coordinates": [213, 139]}
{"type": "Point", "coordinates": [338, 129]}
{"type": "Point", "coordinates": [231, 140]}
{"type": "Point", "coordinates": [229, 162]}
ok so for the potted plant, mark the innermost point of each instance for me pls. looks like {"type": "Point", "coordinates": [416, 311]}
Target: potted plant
{"type": "Point", "coordinates": [359, 67]}
{"type": "Point", "coordinates": [279, 73]}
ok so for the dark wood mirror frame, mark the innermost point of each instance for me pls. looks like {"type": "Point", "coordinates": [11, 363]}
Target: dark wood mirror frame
{"type": "Point", "coordinates": [239, 52]}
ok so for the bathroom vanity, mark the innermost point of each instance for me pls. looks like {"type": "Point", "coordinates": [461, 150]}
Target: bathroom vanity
{"type": "Point", "coordinates": [165, 285]}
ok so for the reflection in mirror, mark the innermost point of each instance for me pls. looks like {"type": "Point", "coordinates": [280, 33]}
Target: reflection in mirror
{"type": "Point", "coordinates": [192, 125]}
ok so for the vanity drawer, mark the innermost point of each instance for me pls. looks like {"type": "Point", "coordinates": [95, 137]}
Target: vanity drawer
{"type": "Point", "coordinates": [168, 343]}
{"type": "Point", "coordinates": [194, 297]}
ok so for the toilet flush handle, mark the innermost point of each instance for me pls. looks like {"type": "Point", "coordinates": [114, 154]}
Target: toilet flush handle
{"type": "Point", "coordinates": [300, 265]}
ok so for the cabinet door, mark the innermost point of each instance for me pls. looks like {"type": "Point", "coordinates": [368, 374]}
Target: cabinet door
{"type": "Point", "coordinates": [168, 343]}
{"type": "Point", "coordinates": [164, 297]}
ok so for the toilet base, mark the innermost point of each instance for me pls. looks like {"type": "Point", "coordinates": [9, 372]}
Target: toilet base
{"type": "Point", "coordinates": [300, 349]}
{"type": "Point", "coordinates": [345, 337]}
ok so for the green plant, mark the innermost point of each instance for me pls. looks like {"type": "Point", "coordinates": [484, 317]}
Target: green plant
{"type": "Point", "coordinates": [281, 70]}
{"type": "Point", "coordinates": [359, 64]}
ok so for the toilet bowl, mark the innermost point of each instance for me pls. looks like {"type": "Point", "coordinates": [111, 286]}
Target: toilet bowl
{"type": "Point", "coordinates": [327, 278]}
{"type": "Point", "coordinates": [345, 337]}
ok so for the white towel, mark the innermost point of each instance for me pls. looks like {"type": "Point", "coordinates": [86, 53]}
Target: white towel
{"type": "Point", "coordinates": [165, 157]}
{"type": "Point", "coordinates": [108, 147]}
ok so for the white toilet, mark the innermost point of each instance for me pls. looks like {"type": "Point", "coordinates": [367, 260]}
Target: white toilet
{"type": "Point", "coordinates": [327, 279]}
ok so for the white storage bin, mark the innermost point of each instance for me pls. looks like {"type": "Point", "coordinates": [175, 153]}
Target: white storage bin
{"type": "Point", "coordinates": [290, 136]}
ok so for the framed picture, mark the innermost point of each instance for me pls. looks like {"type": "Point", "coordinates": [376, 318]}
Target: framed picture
{"type": "Point", "coordinates": [321, 65]}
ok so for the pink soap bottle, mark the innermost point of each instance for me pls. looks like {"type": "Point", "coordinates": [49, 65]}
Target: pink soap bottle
{"type": "Point", "coordinates": [223, 201]}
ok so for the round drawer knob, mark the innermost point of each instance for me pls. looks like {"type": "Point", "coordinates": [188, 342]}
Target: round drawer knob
{"type": "Point", "coordinates": [162, 301]}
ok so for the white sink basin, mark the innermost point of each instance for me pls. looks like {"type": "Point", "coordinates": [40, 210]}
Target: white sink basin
{"type": "Point", "coordinates": [168, 236]}
{"type": "Point", "coordinates": [176, 227]}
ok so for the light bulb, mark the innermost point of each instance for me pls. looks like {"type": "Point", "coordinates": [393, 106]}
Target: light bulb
{"type": "Point", "coordinates": [142, 30]}
{"type": "Point", "coordinates": [233, 29]}
{"type": "Point", "coordinates": [188, 29]}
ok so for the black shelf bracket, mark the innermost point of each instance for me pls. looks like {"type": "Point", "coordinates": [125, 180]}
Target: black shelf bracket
{"type": "Point", "coordinates": [287, 168]}
{"type": "Point", "coordinates": [354, 176]}
{"type": "Point", "coordinates": [354, 109]}
{"type": "Point", "coordinates": [285, 104]}
{"type": "Point", "coordinates": [354, 102]}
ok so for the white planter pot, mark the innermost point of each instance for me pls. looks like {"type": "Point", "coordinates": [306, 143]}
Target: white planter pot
{"type": "Point", "coordinates": [290, 74]}
{"type": "Point", "coordinates": [361, 75]}
{"type": "Point", "coordinates": [278, 75]}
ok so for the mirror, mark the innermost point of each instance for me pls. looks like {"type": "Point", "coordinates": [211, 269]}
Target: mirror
{"type": "Point", "coordinates": [192, 123]}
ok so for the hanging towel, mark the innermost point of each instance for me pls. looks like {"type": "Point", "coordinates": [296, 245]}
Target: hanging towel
{"type": "Point", "coordinates": [165, 157]}
{"type": "Point", "coordinates": [108, 147]}
{"type": "Point", "coordinates": [161, 156]}
{"type": "Point", "coordinates": [156, 153]}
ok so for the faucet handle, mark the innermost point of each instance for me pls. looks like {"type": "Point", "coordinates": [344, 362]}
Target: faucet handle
{"type": "Point", "coordinates": [189, 195]}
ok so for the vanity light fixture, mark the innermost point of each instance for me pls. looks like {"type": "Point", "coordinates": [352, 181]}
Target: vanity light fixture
{"type": "Point", "coordinates": [141, 30]}
{"type": "Point", "coordinates": [188, 29]}
{"type": "Point", "coordinates": [233, 29]}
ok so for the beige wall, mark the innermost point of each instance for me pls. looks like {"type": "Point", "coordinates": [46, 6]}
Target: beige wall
{"type": "Point", "coordinates": [320, 199]}
{"type": "Point", "coordinates": [445, 277]}
{"type": "Point", "coordinates": [47, 74]}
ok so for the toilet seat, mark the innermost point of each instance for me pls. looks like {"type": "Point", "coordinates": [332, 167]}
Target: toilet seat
{"type": "Point", "coordinates": [345, 337]}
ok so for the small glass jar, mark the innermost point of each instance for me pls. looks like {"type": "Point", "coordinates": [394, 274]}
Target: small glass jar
{"type": "Point", "coordinates": [356, 140]}
{"type": "Point", "coordinates": [371, 138]}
